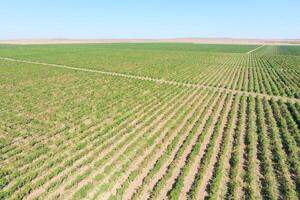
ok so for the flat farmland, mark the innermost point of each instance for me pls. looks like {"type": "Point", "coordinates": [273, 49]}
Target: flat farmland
{"type": "Point", "coordinates": [149, 121]}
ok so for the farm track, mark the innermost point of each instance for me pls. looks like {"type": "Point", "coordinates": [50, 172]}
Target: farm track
{"type": "Point", "coordinates": [162, 81]}
{"type": "Point", "coordinates": [251, 51]}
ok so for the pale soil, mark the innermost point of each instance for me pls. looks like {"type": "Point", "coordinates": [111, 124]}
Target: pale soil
{"type": "Point", "coordinates": [215, 76]}
{"type": "Point", "coordinates": [131, 190]}
{"type": "Point", "coordinates": [258, 177]}
{"type": "Point", "coordinates": [231, 78]}
{"type": "Point", "coordinates": [149, 40]}
{"type": "Point", "coordinates": [140, 159]}
{"type": "Point", "coordinates": [189, 179]}
{"type": "Point", "coordinates": [246, 80]}
{"type": "Point", "coordinates": [251, 51]}
{"type": "Point", "coordinates": [60, 190]}
{"type": "Point", "coordinates": [148, 188]}
{"type": "Point", "coordinates": [161, 81]}
{"type": "Point", "coordinates": [38, 191]}
{"type": "Point", "coordinates": [182, 161]}
{"type": "Point", "coordinates": [179, 83]}
{"type": "Point", "coordinates": [139, 179]}
{"type": "Point", "coordinates": [241, 77]}
{"type": "Point", "coordinates": [241, 158]}
{"type": "Point", "coordinates": [87, 121]}
{"type": "Point", "coordinates": [225, 175]}
{"type": "Point", "coordinates": [201, 191]}
{"type": "Point", "coordinates": [44, 187]}
{"type": "Point", "coordinates": [201, 76]}
{"type": "Point", "coordinates": [42, 139]}
{"type": "Point", "coordinates": [188, 182]}
{"type": "Point", "coordinates": [90, 178]}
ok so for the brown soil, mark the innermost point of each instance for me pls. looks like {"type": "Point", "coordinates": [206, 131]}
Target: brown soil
{"type": "Point", "coordinates": [148, 188]}
{"type": "Point", "coordinates": [189, 179]}
{"type": "Point", "coordinates": [139, 180]}
{"type": "Point", "coordinates": [44, 187]}
{"type": "Point", "coordinates": [225, 175]}
{"type": "Point", "coordinates": [182, 161]}
{"type": "Point", "coordinates": [241, 163]}
{"type": "Point", "coordinates": [120, 151]}
{"type": "Point", "coordinates": [210, 169]}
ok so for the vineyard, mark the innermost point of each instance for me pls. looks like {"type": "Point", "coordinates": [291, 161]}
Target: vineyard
{"type": "Point", "coordinates": [149, 121]}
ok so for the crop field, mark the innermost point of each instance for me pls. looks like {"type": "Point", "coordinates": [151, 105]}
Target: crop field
{"type": "Point", "coordinates": [149, 121]}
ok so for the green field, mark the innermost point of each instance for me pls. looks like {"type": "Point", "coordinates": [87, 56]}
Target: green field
{"type": "Point", "coordinates": [149, 121]}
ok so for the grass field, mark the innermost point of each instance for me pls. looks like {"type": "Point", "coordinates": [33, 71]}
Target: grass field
{"type": "Point", "coordinates": [149, 121]}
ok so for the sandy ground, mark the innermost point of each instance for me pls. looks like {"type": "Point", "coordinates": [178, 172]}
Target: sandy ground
{"type": "Point", "coordinates": [179, 40]}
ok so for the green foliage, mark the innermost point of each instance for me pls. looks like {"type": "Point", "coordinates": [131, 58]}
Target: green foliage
{"type": "Point", "coordinates": [66, 133]}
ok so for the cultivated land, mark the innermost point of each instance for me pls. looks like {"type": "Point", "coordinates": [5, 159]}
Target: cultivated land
{"type": "Point", "coordinates": [149, 121]}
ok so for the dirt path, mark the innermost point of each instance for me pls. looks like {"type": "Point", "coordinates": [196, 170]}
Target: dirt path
{"type": "Point", "coordinates": [249, 52]}
{"type": "Point", "coordinates": [162, 81]}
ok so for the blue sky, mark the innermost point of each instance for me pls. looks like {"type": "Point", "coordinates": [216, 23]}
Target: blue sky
{"type": "Point", "coordinates": [149, 19]}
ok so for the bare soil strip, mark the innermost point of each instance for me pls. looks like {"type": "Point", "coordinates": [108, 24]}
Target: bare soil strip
{"type": "Point", "coordinates": [149, 187]}
{"type": "Point", "coordinates": [138, 181]}
{"type": "Point", "coordinates": [255, 49]}
{"type": "Point", "coordinates": [108, 151]}
{"type": "Point", "coordinates": [225, 175]}
{"type": "Point", "coordinates": [189, 179]}
{"type": "Point", "coordinates": [136, 162]}
{"type": "Point", "coordinates": [182, 161]}
{"type": "Point", "coordinates": [201, 192]}
{"type": "Point", "coordinates": [76, 163]}
{"type": "Point", "coordinates": [239, 92]}
{"type": "Point", "coordinates": [241, 163]}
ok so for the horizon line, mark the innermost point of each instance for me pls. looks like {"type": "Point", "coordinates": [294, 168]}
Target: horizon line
{"type": "Point", "coordinates": [196, 40]}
